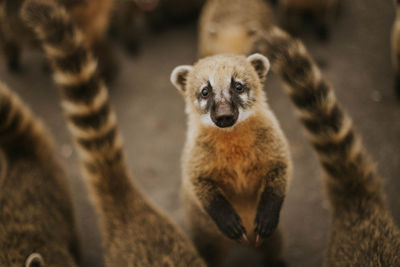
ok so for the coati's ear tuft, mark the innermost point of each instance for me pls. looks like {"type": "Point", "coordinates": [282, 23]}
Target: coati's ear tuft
{"type": "Point", "coordinates": [261, 65]}
{"type": "Point", "coordinates": [34, 260]}
{"type": "Point", "coordinates": [179, 77]}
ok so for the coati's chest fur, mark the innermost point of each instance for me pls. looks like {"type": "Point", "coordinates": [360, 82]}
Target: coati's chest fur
{"type": "Point", "coordinates": [238, 160]}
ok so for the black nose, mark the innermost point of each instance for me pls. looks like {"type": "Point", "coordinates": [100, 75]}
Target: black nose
{"type": "Point", "coordinates": [225, 121]}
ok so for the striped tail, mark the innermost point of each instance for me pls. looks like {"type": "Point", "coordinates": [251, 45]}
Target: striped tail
{"type": "Point", "coordinates": [18, 127]}
{"type": "Point", "coordinates": [85, 100]}
{"type": "Point", "coordinates": [351, 173]}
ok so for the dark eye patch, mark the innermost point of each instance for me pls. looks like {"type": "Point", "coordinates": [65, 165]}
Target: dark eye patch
{"type": "Point", "coordinates": [238, 87]}
{"type": "Point", "coordinates": [235, 94]}
{"type": "Point", "coordinates": [208, 96]}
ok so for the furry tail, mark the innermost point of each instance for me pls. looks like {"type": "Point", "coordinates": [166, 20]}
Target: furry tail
{"type": "Point", "coordinates": [350, 171]}
{"type": "Point", "coordinates": [17, 124]}
{"type": "Point", "coordinates": [84, 96]}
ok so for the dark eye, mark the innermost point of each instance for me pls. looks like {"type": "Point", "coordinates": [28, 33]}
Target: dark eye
{"type": "Point", "coordinates": [238, 87]}
{"type": "Point", "coordinates": [205, 92]}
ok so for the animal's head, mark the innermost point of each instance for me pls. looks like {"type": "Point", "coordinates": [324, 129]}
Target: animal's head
{"type": "Point", "coordinates": [222, 90]}
{"type": "Point", "coordinates": [232, 39]}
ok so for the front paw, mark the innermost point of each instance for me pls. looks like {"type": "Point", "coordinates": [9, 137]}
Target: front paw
{"type": "Point", "coordinates": [231, 225]}
{"type": "Point", "coordinates": [265, 224]}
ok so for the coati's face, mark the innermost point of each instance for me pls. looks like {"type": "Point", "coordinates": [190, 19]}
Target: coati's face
{"type": "Point", "coordinates": [222, 90]}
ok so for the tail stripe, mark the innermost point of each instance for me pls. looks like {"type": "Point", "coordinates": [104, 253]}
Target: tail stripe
{"type": "Point", "coordinates": [325, 123]}
{"type": "Point", "coordinates": [84, 93]}
{"type": "Point", "coordinates": [16, 120]}
{"type": "Point", "coordinates": [74, 108]}
{"type": "Point", "coordinates": [74, 79]}
{"type": "Point", "coordinates": [93, 120]}
{"type": "Point", "coordinates": [74, 62]}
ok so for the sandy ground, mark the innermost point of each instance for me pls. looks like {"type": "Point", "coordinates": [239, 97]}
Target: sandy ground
{"type": "Point", "coordinates": [152, 120]}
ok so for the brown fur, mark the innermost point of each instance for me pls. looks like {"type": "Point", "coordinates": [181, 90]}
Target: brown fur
{"type": "Point", "coordinates": [396, 49]}
{"type": "Point", "coordinates": [36, 215]}
{"type": "Point", "coordinates": [227, 172]}
{"type": "Point", "coordinates": [228, 26]}
{"type": "Point", "coordinates": [134, 232]}
{"type": "Point", "coordinates": [362, 231]}
{"type": "Point", "coordinates": [91, 16]}
{"type": "Point", "coordinates": [322, 12]}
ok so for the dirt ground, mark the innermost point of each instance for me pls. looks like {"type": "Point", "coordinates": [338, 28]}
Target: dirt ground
{"type": "Point", "coordinates": [151, 117]}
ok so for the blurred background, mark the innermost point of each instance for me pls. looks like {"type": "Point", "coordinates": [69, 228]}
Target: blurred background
{"type": "Point", "coordinates": [356, 60]}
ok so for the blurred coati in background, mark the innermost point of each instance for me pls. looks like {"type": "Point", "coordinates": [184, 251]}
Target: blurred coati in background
{"type": "Point", "coordinates": [362, 231]}
{"type": "Point", "coordinates": [37, 224]}
{"type": "Point", "coordinates": [229, 26]}
{"type": "Point", "coordinates": [132, 17]}
{"type": "Point", "coordinates": [236, 164]}
{"type": "Point", "coordinates": [134, 232]}
{"type": "Point", "coordinates": [91, 16]}
{"type": "Point", "coordinates": [322, 13]}
{"type": "Point", "coordinates": [396, 49]}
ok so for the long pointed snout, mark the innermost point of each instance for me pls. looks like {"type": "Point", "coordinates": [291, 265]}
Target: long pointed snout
{"type": "Point", "coordinates": [224, 114]}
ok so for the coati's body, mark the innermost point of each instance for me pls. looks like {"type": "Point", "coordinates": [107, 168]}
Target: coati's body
{"type": "Point", "coordinates": [321, 12]}
{"type": "Point", "coordinates": [396, 48]}
{"type": "Point", "coordinates": [134, 232]}
{"type": "Point", "coordinates": [234, 179]}
{"type": "Point", "coordinates": [36, 215]}
{"type": "Point", "coordinates": [228, 26]}
{"type": "Point", "coordinates": [91, 16]}
{"type": "Point", "coordinates": [362, 231]}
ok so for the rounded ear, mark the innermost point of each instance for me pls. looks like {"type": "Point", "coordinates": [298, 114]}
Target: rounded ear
{"type": "Point", "coordinates": [261, 65]}
{"type": "Point", "coordinates": [34, 260]}
{"type": "Point", "coordinates": [179, 77]}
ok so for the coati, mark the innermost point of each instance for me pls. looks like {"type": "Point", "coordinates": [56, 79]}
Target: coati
{"type": "Point", "coordinates": [91, 16]}
{"type": "Point", "coordinates": [396, 49]}
{"type": "Point", "coordinates": [134, 232]}
{"type": "Point", "coordinates": [362, 231]}
{"type": "Point", "coordinates": [37, 224]}
{"type": "Point", "coordinates": [229, 26]}
{"type": "Point", "coordinates": [236, 164]}
{"type": "Point", "coordinates": [321, 12]}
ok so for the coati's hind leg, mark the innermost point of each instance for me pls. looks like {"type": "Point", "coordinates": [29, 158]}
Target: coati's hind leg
{"type": "Point", "coordinates": [212, 245]}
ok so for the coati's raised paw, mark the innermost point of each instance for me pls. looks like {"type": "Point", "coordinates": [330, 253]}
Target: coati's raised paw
{"type": "Point", "coordinates": [231, 225]}
{"type": "Point", "coordinates": [267, 217]}
{"type": "Point", "coordinates": [265, 225]}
